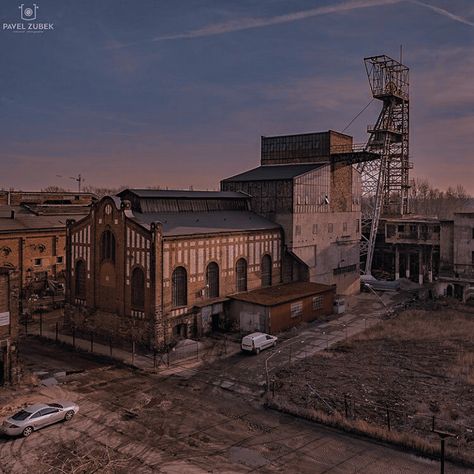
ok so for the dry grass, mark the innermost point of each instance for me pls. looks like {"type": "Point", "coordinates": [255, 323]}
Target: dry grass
{"type": "Point", "coordinates": [420, 365]}
{"type": "Point", "coordinates": [413, 442]}
{"type": "Point", "coordinates": [465, 366]}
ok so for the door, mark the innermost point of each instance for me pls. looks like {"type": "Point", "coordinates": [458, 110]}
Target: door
{"type": "Point", "coordinates": [215, 322]}
{"type": "Point", "coordinates": [48, 416]}
{"type": "Point", "coordinates": [268, 341]}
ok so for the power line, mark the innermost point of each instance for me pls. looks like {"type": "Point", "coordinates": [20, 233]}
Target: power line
{"type": "Point", "coordinates": [357, 116]}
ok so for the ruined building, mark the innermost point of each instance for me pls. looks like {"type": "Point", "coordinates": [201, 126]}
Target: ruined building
{"type": "Point", "coordinates": [456, 273]}
{"type": "Point", "coordinates": [33, 233]}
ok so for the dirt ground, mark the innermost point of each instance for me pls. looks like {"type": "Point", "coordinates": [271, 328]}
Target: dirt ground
{"type": "Point", "coordinates": [130, 421]}
{"type": "Point", "coordinates": [419, 365]}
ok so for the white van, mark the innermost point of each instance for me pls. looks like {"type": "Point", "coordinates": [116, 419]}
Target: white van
{"type": "Point", "coordinates": [257, 341]}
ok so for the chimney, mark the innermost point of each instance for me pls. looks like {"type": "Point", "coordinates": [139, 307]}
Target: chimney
{"type": "Point", "coordinates": [12, 214]}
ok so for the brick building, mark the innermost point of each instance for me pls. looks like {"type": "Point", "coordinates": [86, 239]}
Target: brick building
{"type": "Point", "coordinates": [9, 314]}
{"type": "Point", "coordinates": [153, 265]}
{"type": "Point", "coordinates": [277, 308]}
{"type": "Point", "coordinates": [33, 232]}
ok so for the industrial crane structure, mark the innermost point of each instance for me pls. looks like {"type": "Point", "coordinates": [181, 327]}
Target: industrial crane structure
{"type": "Point", "coordinates": [385, 181]}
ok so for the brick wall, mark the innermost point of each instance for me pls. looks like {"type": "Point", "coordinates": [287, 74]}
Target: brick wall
{"type": "Point", "coordinates": [34, 252]}
{"type": "Point", "coordinates": [9, 302]}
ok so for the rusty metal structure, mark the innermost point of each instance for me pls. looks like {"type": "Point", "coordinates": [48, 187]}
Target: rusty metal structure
{"type": "Point", "coordinates": [385, 181]}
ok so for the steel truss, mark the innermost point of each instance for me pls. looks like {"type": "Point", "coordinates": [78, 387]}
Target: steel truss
{"type": "Point", "coordinates": [385, 181]}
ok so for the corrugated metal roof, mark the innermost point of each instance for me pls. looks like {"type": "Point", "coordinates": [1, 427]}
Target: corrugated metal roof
{"type": "Point", "coordinates": [183, 194]}
{"type": "Point", "coordinates": [189, 223]}
{"type": "Point", "coordinates": [272, 172]}
{"type": "Point", "coordinates": [274, 295]}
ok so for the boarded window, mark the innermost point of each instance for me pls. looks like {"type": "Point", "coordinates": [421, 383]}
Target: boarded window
{"type": "Point", "coordinates": [107, 246]}
{"type": "Point", "coordinates": [296, 309]}
{"type": "Point", "coordinates": [179, 287]}
{"type": "Point", "coordinates": [317, 302]}
{"type": "Point", "coordinates": [241, 274]}
{"type": "Point", "coordinates": [212, 280]}
{"type": "Point", "coordinates": [138, 288]}
{"type": "Point", "coordinates": [267, 270]}
{"type": "Point", "coordinates": [80, 282]}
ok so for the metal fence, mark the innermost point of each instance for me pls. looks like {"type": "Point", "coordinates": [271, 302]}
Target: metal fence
{"type": "Point", "coordinates": [427, 426]}
{"type": "Point", "coordinates": [53, 328]}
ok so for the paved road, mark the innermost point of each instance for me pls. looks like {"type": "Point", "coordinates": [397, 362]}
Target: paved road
{"type": "Point", "coordinates": [185, 424]}
{"type": "Point", "coordinates": [247, 373]}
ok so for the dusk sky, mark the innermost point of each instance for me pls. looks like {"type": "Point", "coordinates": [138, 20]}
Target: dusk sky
{"type": "Point", "coordinates": [178, 93]}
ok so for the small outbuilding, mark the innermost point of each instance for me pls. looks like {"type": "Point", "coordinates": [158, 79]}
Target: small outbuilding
{"type": "Point", "coordinates": [278, 308]}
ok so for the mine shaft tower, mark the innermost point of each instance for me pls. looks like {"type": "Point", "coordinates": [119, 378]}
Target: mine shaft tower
{"type": "Point", "coordinates": [385, 181]}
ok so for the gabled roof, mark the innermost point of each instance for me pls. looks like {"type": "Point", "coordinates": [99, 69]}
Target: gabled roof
{"type": "Point", "coordinates": [275, 172]}
{"type": "Point", "coordinates": [182, 194]}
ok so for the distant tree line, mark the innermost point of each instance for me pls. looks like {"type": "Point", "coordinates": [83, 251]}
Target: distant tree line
{"type": "Point", "coordinates": [428, 200]}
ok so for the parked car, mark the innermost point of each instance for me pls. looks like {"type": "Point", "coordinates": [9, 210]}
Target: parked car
{"type": "Point", "coordinates": [258, 341]}
{"type": "Point", "coordinates": [35, 417]}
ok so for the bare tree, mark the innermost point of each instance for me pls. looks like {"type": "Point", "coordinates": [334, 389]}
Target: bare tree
{"type": "Point", "coordinates": [428, 200]}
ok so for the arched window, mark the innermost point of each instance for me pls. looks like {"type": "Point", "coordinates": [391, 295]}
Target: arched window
{"type": "Point", "coordinates": [107, 246]}
{"type": "Point", "coordinates": [179, 287]}
{"type": "Point", "coordinates": [212, 280]}
{"type": "Point", "coordinates": [266, 270]}
{"type": "Point", "coordinates": [138, 288]}
{"type": "Point", "coordinates": [241, 274]}
{"type": "Point", "coordinates": [80, 280]}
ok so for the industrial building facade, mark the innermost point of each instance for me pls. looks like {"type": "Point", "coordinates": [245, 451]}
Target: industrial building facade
{"type": "Point", "coordinates": [9, 324]}
{"type": "Point", "coordinates": [456, 275]}
{"type": "Point", "coordinates": [154, 265]}
{"type": "Point", "coordinates": [306, 184]}
{"type": "Point", "coordinates": [33, 233]}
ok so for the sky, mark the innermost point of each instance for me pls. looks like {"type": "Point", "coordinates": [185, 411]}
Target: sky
{"type": "Point", "coordinates": [174, 94]}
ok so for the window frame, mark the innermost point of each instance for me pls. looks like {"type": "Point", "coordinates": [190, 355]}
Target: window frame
{"type": "Point", "coordinates": [211, 266]}
{"type": "Point", "coordinates": [241, 275]}
{"type": "Point", "coordinates": [137, 293]}
{"type": "Point", "coordinates": [179, 295]}
{"type": "Point", "coordinates": [108, 246]}
{"type": "Point", "coordinates": [296, 309]}
{"type": "Point", "coordinates": [80, 279]}
{"type": "Point", "coordinates": [317, 302]}
{"type": "Point", "coordinates": [267, 257]}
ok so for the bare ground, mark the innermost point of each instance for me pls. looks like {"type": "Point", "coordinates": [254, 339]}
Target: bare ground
{"type": "Point", "coordinates": [419, 366]}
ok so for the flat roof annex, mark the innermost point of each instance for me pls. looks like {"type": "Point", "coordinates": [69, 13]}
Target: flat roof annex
{"type": "Point", "coordinates": [280, 294]}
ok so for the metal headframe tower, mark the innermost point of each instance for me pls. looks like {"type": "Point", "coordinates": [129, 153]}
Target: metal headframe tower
{"type": "Point", "coordinates": [385, 181]}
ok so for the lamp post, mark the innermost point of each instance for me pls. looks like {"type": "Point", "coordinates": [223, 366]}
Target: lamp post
{"type": "Point", "coordinates": [443, 435]}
